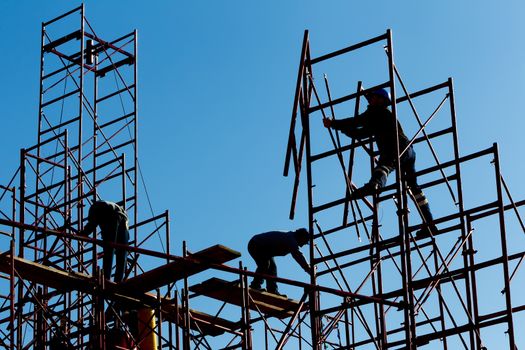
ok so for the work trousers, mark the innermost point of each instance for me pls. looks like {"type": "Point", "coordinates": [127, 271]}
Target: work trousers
{"type": "Point", "coordinates": [119, 235]}
{"type": "Point", "coordinates": [265, 265]}
{"type": "Point", "coordinates": [408, 167]}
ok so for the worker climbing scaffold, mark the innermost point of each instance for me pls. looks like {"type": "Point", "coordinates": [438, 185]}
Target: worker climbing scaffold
{"type": "Point", "coordinates": [379, 122]}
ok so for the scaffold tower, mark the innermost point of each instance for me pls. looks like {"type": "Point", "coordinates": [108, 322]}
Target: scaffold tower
{"type": "Point", "coordinates": [86, 150]}
{"type": "Point", "coordinates": [435, 278]}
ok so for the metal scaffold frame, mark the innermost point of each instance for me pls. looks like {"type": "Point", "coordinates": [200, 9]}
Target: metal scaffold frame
{"type": "Point", "coordinates": [396, 290]}
{"type": "Point", "coordinates": [87, 149]}
{"type": "Point", "coordinates": [410, 255]}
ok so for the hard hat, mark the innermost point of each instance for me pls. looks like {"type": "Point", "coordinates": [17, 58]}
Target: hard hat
{"type": "Point", "coordinates": [380, 92]}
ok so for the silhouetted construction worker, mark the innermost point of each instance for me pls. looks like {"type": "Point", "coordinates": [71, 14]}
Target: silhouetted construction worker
{"type": "Point", "coordinates": [113, 222]}
{"type": "Point", "coordinates": [60, 341]}
{"type": "Point", "coordinates": [379, 122]}
{"type": "Point", "coordinates": [265, 246]}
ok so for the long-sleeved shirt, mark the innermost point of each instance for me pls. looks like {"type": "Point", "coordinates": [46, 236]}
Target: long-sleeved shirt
{"type": "Point", "coordinates": [277, 243]}
{"type": "Point", "coordinates": [105, 214]}
{"type": "Point", "coordinates": [380, 123]}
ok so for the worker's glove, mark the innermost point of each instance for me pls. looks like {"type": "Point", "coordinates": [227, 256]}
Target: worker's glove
{"type": "Point", "coordinates": [327, 122]}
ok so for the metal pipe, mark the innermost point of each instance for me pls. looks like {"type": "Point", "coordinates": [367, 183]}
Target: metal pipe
{"type": "Point", "coordinates": [505, 259]}
{"type": "Point", "coordinates": [298, 88]}
{"type": "Point", "coordinates": [406, 263]}
{"type": "Point", "coordinates": [314, 304]}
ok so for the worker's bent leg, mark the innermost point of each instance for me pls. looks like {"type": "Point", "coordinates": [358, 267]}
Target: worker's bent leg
{"type": "Point", "coordinates": [109, 236]}
{"type": "Point", "coordinates": [262, 265]}
{"type": "Point", "coordinates": [408, 167]}
{"type": "Point", "coordinates": [380, 174]}
{"type": "Point", "coordinates": [424, 207]}
{"type": "Point", "coordinates": [121, 254]}
{"type": "Point", "coordinates": [107, 261]}
{"type": "Point", "coordinates": [377, 181]}
{"type": "Point", "coordinates": [428, 228]}
{"type": "Point", "coordinates": [271, 285]}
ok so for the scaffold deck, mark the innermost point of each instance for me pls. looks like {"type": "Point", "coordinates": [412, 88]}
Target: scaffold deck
{"type": "Point", "coordinates": [180, 268]}
{"type": "Point", "coordinates": [231, 292]}
{"type": "Point", "coordinates": [69, 281]}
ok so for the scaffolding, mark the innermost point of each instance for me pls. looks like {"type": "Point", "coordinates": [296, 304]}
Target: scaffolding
{"type": "Point", "coordinates": [435, 278]}
{"type": "Point", "coordinates": [374, 284]}
{"type": "Point", "coordinates": [86, 150]}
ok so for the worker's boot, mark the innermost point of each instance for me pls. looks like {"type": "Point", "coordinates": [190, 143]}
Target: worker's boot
{"type": "Point", "coordinates": [427, 230]}
{"type": "Point", "coordinates": [257, 283]}
{"type": "Point", "coordinates": [367, 190]}
{"type": "Point", "coordinates": [276, 292]}
{"type": "Point", "coordinates": [271, 287]}
{"type": "Point", "coordinates": [257, 287]}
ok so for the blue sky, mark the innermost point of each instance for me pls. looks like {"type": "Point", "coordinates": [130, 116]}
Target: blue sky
{"type": "Point", "coordinates": [216, 85]}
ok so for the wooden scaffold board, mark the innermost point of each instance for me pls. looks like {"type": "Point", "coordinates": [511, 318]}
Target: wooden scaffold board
{"type": "Point", "coordinates": [230, 292]}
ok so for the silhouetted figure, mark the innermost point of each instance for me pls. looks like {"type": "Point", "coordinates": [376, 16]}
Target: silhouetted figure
{"type": "Point", "coordinates": [265, 246]}
{"type": "Point", "coordinates": [113, 222]}
{"type": "Point", "coordinates": [379, 122]}
{"type": "Point", "coordinates": [60, 340]}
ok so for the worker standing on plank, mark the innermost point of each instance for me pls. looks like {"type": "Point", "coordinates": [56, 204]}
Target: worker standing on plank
{"type": "Point", "coordinates": [379, 122]}
{"type": "Point", "coordinates": [265, 246]}
{"type": "Point", "coordinates": [113, 222]}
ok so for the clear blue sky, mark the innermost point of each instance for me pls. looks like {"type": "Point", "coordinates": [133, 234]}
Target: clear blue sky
{"type": "Point", "coordinates": [216, 84]}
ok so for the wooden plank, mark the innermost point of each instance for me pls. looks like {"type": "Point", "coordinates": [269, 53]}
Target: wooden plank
{"type": "Point", "coordinates": [68, 281]}
{"type": "Point", "coordinates": [179, 269]}
{"type": "Point", "coordinates": [211, 325]}
{"type": "Point", "coordinates": [204, 323]}
{"type": "Point", "coordinates": [49, 276]}
{"type": "Point", "coordinates": [216, 254]}
{"type": "Point", "coordinates": [230, 292]}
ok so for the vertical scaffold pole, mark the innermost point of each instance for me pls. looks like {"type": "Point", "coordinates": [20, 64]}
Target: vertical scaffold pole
{"type": "Point", "coordinates": [504, 253]}
{"type": "Point", "coordinates": [12, 293]}
{"type": "Point", "coordinates": [186, 307]}
{"type": "Point", "coordinates": [305, 119]}
{"type": "Point", "coordinates": [21, 242]}
{"type": "Point", "coordinates": [408, 297]}
{"type": "Point", "coordinates": [136, 140]}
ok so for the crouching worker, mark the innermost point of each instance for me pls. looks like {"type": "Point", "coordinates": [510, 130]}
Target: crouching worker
{"type": "Point", "coordinates": [265, 246]}
{"type": "Point", "coordinates": [113, 222]}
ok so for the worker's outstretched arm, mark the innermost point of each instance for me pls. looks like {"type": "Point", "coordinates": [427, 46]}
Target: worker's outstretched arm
{"type": "Point", "coordinates": [89, 228]}
{"type": "Point", "coordinates": [352, 127]}
{"type": "Point", "coordinates": [92, 220]}
{"type": "Point", "coordinates": [299, 257]}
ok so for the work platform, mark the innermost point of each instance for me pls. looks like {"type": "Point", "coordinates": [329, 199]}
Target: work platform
{"type": "Point", "coordinates": [45, 275]}
{"type": "Point", "coordinates": [133, 293]}
{"type": "Point", "coordinates": [180, 268]}
{"type": "Point", "coordinates": [172, 272]}
{"type": "Point", "coordinates": [231, 292]}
